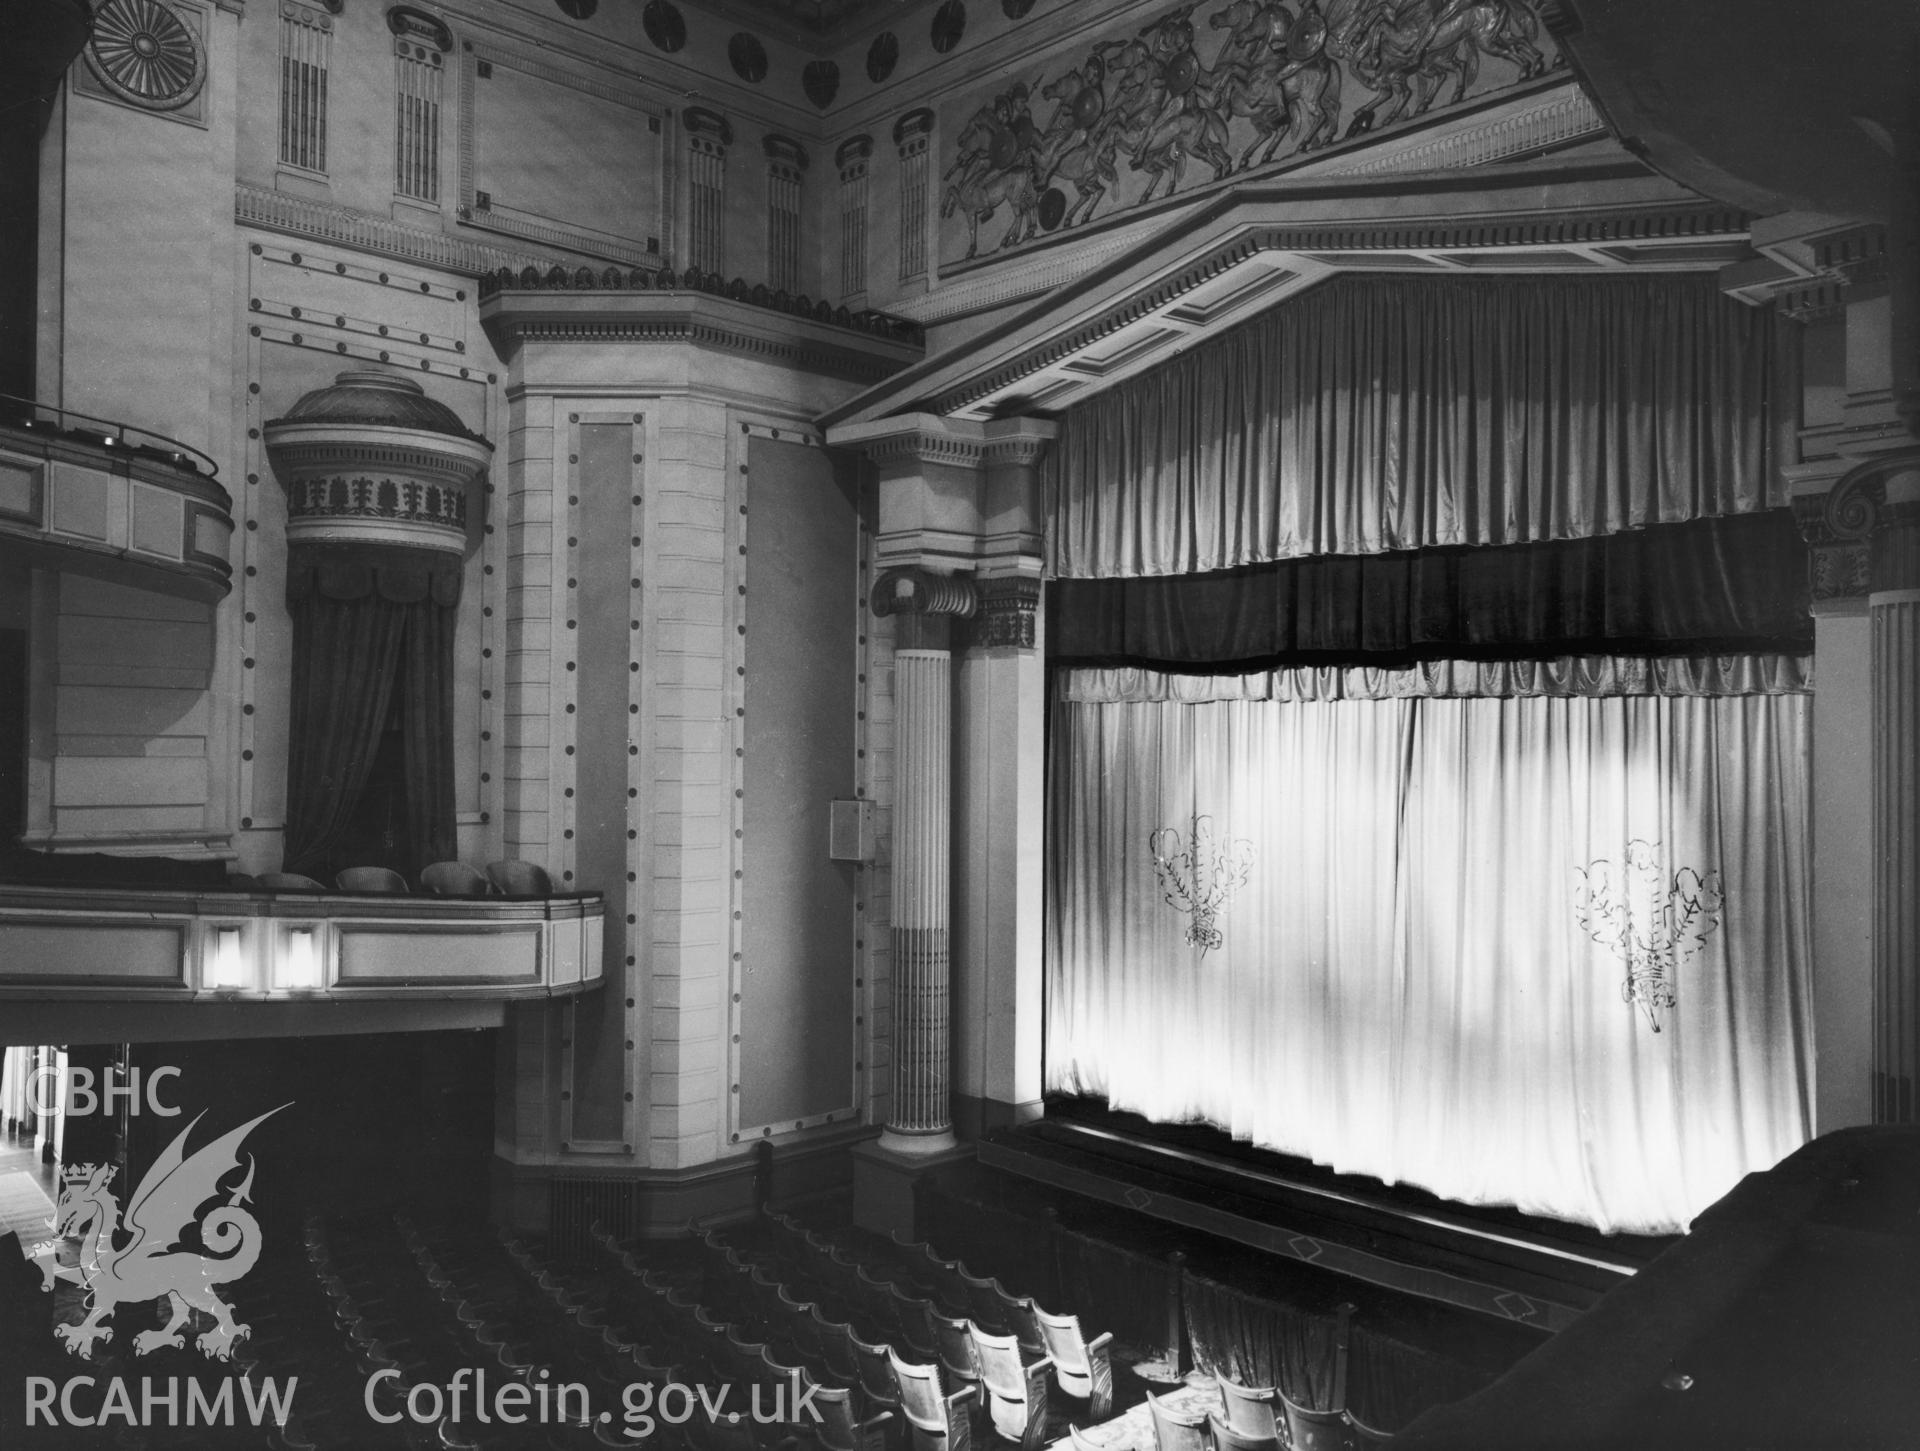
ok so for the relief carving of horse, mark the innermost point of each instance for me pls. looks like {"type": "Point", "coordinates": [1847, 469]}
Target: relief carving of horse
{"type": "Point", "coordinates": [993, 171]}
{"type": "Point", "coordinates": [1274, 71]}
{"type": "Point", "coordinates": [1406, 52]}
{"type": "Point", "coordinates": [1078, 144]}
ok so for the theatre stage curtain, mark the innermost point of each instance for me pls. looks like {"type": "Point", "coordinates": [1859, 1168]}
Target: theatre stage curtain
{"type": "Point", "coordinates": [1403, 986]}
{"type": "Point", "coordinates": [1396, 413]}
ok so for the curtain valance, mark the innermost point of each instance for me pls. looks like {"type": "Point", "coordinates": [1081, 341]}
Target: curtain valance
{"type": "Point", "coordinates": [1578, 675]}
{"type": "Point", "coordinates": [1392, 413]}
{"type": "Point", "coordinates": [352, 572]}
{"type": "Point", "coordinates": [1707, 586]}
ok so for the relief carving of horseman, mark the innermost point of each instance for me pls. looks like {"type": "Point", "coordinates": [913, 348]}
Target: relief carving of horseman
{"type": "Point", "coordinates": [994, 169]}
{"type": "Point", "coordinates": [1279, 69]}
{"type": "Point", "coordinates": [1404, 50]}
{"type": "Point", "coordinates": [1158, 111]}
{"type": "Point", "coordinates": [1274, 70]}
{"type": "Point", "coordinates": [1079, 145]}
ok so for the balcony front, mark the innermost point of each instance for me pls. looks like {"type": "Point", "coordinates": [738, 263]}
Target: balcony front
{"type": "Point", "coordinates": [218, 962]}
{"type": "Point", "coordinates": [90, 496]}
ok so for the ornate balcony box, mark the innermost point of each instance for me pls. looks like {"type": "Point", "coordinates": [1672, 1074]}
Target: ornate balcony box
{"type": "Point", "coordinates": [373, 461]}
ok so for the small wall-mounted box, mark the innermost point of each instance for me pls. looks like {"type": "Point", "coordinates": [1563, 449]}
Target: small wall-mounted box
{"type": "Point", "coordinates": [850, 831]}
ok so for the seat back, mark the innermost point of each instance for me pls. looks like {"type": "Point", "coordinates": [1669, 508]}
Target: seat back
{"type": "Point", "coordinates": [922, 1401]}
{"type": "Point", "coordinates": [836, 1429]}
{"type": "Point", "coordinates": [1315, 1430]}
{"type": "Point", "coordinates": [1000, 1365]}
{"type": "Point", "coordinates": [520, 879]}
{"type": "Point", "coordinates": [875, 1366]}
{"type": "Point", "coordinates": [836, 1349]}
{"type": "Point", "coordinates": [1065, 1341]}
{"type": "Point", "coordinates": [1251, 1411]}
{"type": "Point", "coordinates": [289, 882]}
{"type": "Point", "coordinates": [1173, 1431]}
{"type": "Point", "coordinates": [1366, 1437]}
{"type": "Point", "coordinates": [370, 879]}
{"type": "Point", "coordinates": [455, 879]}
{"type": "Point", "coordinates": [984, 1304]}
{"type": "Point", "coordinates": [954, 1343]}
{"type": "Point", "coordinates": [1227, 1438]}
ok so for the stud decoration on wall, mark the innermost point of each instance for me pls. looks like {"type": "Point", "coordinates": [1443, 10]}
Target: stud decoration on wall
{"type": "Point", "coordinates": [882, 56]}
{"type": "Point", "coordinates": [664, 24]}
{"type": "Point", "coordinates": [1016, 9]}
{"type": "Point", "coordinates": [748, 57]}
{"type": "Point", "coordinates": [143, 53]}
{"type": "Point", "coordinates": [949, 24]}
{"type": "Point", "coordinates": [578, 9]}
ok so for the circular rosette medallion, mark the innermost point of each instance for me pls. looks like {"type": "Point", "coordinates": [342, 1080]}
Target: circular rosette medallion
{"type": "Point", "coordinates": [144, 54]}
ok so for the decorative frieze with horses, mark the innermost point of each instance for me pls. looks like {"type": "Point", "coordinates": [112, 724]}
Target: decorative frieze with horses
{"type": "Point", "coordinates": [1141, 114]}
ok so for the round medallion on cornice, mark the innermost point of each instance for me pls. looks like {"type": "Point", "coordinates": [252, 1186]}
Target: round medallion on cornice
{"type": "Point", "coordinates": [373, 461]}
{"type": "Point", "coordinates": [143, 53]}
{"type": "Point", "coordinates": [748, 57]}
{"type": "Point", "coordinates": [579, 9]}
{"type": "Point", "coordinates": [1016, 9]}
{"type": "Point", "coordinates": [882, 56]}
{"type": "Point", "coordinates": [949, 24]}
{"type": "Point", "coordinates": [664, 24]}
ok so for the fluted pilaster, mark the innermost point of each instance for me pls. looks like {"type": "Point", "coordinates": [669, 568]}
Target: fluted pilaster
{"type": "Point", "coordinates": [920, 1119]}
{"type": "Point", "coordinates": [1896, 841]}
{"type": "Point", "coordinates": [1878, 504]}
{"type": "Point", "coordinates": [920, 1114]}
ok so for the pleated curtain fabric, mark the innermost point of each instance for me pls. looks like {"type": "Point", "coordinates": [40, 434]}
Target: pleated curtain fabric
{"type": "Point", "coordinates": [1396, 413]}
{"type": "Point", "coordinates": [1402, 985]}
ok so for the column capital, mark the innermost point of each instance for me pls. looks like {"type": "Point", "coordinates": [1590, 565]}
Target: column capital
{"type": "Point", "coordinates": [915, 591]}
{"type": "Point", "coordinates": [955, 493]}
{"type": "Point", "coordinates": [1864, 531]}
{"type": "Point", "coordinates": [1008, 611]}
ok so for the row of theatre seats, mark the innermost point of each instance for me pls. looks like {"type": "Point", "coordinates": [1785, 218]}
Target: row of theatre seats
{"type": "Point", "coordinates": [515, 879]}
{"type": "Point", "coordinates": [890, 1345]}
{"type": "Point", "coordinates": [1256, 1420]}
{"type": "Point", "coordinates": [929, 1345]}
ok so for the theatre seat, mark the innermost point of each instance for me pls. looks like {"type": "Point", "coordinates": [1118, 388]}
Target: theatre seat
{"type": "Point", "coordinates": [1016, 1390]}
{"type": "Point", "coordinates": [937, 1421]}
{"type": "Point", "coordinates": [1315, 1430]}
{"type": "Point", "coordinates": [1367, 1438]}
{"type": "Point", "coordinates": [520, 879]}
{"type": "Point", "coordinates": [289, 882]}
{"type": "Point", "coordinates": [1250, 1411]}
{"type": "Point", "coordinates": [1082, 1368]}
{"type": "Point", "coordinates": [1173, 1431]}
{"type": "Point", "coordinates": [455, 879]}
{"type": "Point", "coordinates": [1226, 1438]}
{"type": "Point", "coordinates": [370, 879]}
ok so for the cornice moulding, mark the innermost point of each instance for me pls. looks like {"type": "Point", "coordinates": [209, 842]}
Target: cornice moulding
{"type": "Point", "coordinates": [512, 318]}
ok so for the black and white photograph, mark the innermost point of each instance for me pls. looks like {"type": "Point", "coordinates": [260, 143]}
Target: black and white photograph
{"type": "Point", "coordinates": [959, 725]}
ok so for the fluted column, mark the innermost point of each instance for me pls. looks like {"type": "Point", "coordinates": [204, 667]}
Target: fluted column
{"type": "Point", "coordinates": [920, 1110]}
{"type": "Point", "coordinates": [1894, 610]}
{"type": "Point", "coordinates": [1879, 502]}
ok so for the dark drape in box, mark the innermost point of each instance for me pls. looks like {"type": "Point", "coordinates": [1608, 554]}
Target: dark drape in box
{"type": "Point", "coordinates": [1704, 586]}
{"type": "Point", "coordinates": [355, 626]}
